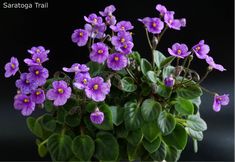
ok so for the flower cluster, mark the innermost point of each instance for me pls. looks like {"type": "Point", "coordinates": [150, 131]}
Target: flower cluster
{"type": "Point", "coordinates": [96, 35]}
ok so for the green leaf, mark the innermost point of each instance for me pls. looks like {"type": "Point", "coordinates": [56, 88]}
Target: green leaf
{"type": "Point", "coordinates": [91, 106]}
{"type": "Point", "coordinates": [198, 135]}
{"type": "Point", "coordinates": [150, 109]}
{"type": "Point", "coordinates": [196, 101]}
{"type": "Point", "coordinates": [150, 131]}
{"type": "Point", "coordinates": [135, 137]}
{"type": "Point", "coordinates": [34, 126]}
{"type": "Point", "coordinates": [61, 113]}
{"type": "Point", "coordinates": [95, 68]}
{"type": "Point", "coordinates": [48, 122]}
{"type": "Point", "coordinates": [167, 61]}
{"type": "Point", "coordinates": [195, 145]}
{"type": "Point", "coordinates": [145, 66]}
{"type": "Point", "coordinates": [48, 106]}
{"type": "Point", "coordinates": [152, 76]}
{"type": "Point", "coordinates": [107, 123]}
{"type": "Point", "coordinates": [132, 116]}
{"type": "Point", "coordinates": [42, 150]}
{"type": "Point", "coordinates": [59, 147]}
{"type": "Point", "coordinates": [127, 84]}
{"type": "Point", "coordinates": [152, 146]}
{"type": "Point", "coordinates": [121, 131]}
{"type": "Point", "coordinates": [163, 91]}
{"type": "Point", "coordinates": [107, 147]}
{"type": "Point", "coordinates": [184, 107]}
{"type": "Point", "coordinates": [83, 147]}
{"type": "Point", "coordinates": [189, 92]}
{"type": "Point", "coordinates": [117, 114]}
{"type": "Point", "coordinates": [158, 58]}
{"type": "Point", "coordinates": [145, 89]}
{"type": "Point", "coordinates": [136, 56]}
{"type": "Point", "coordinates": [167, 71]}
{"type": "Point", "coordinates": [166, 122]}
{"type": "Point", "coordinates": [196, 123]}
{"type": "Point", "coordinates": [172, 154]}
{"type": "Point", "coordinates": [178, 138]}
{"type": "Point", "coordinates": [160, 154]}
{"type": "Point", "coordinates": [133, 152]}
{"type": "Point", "coordinates": [73, 120]}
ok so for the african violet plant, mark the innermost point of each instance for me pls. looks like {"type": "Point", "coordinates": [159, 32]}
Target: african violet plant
{"type": "Point", "coordinates": [118, 106]}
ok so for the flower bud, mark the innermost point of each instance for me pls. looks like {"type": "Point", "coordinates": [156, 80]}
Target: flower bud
{"type": "Point", "coordinates": [169, 81]}
{"type": "Point", "coordinates": [97, 117]}
{"type": "Point", "coordinates": [178, 70]}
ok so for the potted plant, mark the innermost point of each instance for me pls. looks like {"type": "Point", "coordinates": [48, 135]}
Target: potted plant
{"type": "Point", "coordinates": [119, 106]}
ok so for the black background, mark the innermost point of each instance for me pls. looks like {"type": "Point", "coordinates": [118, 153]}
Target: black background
{"type": "Point", "coordinates": [210, 20]}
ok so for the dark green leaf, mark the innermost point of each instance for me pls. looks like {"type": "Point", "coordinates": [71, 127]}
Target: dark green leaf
{"type": "Point", "coordinates": [107, 147]}
{"type": "Point", "coordinates": [196, 123]}
{"type": "Point", "coordinates": [158, 58]}
{"type": "Point", "coordinates": [172, 154]}
{"type": "Point", "coordinates": [150, 131]}
{"type": "Point", "coordinates": [48, 106]}
{"type": "Point", "coordinates": [91, 106]}
{"type": "Point", "coordinates": [72, 120]}
{"type": "Point", "coordinates": [197, 101]}
{"type": "Point", "coordinates": [48, 122]}
{"type": "Point", "coordinates": [152, 146]}
{"type": "Point", "coordinates": [133, 152]}
{"type": "Point", "coordinates": [83, 147]}
{"type": "Point", "coordinates": [42, 150]}
{"type": "Point", "coordinates": [121, 131]}
{"type": "Point", "coordinates": [163, 91]}
{"type": "Point", "coordinates": [34, 126]}
{"type": "Point", "coordinates": [152, 76]}
{"type": "Point", "coordinates": [178, 138]}
{"type": "Point", "coordinates": [166, 122]}
{"type": "Point", "coordinates": [135, 137]}
{"type": "Point", "coordinates": [167, 61]}
{"type": "Point", "coordinates": [132, 116]}
{"type": "Point", "coordinates": [61, 113]}
{"type": "Point", "coordinates": [189, 92]}
{"type": "Point", "coordinates": [184, 107]}
{"type": "Point", "coordinates": [117, 114]}
{"type": "Point", "coordinates": [127, 84]}
{"type": "Point", "coordinates": [145, 66]}
{"type": "Point", "coordinates": [160, 154]}
{"type": "Point", "coordinates": [59, 147]}
{"type": "Point", "coordinates": [150, 109]}
{"type": "Point", "coordinates": [136, 56]}
{"type": "Point", "coordinates": [107, 123]}
{"type": "Point", "coordinates": [167, 71]}
{"type": "Point", "coordinates": [95, 68]}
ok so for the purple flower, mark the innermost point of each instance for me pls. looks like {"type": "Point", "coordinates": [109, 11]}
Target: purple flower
{"type": "Point", "coordinates": [39, 49]}
{"type": "Point", "coordinates": [122, 26]}
{"type": "Point", "coordinates": [179, 50]}
{"type": "Point", "coordinates": [77, 68]}
{"type": "Point", "coordinates": [111, 20]}
{"type": "Point", "coordinates": [213, 65]}
{"type": "Point", "coordinates": [108, 11]}
{"type": "Point", "coordinates": [37, 59]}
{"type": "Point", "coordinates": [126, 48]}
{"type": "Point", "coordinates": [38, 74]}
{"type": "Point", "coordinates": [38, 96]}
{"type": "Point", "coordinates": [60, 93]}
{"type": "Point", "coordinates": [162, 9]}
{"type": "Point", "coordinates": [11, 67]}
{"type": "Point", "coordinates": [201, 50]}
{"type": "Point", "coordinates": [220, 100]}
{"type": "Point", "coordinates": [117, 61]}
{"type": "Point", "coordinates": [121, 39]}
{"type": "Point", "coordinates": [80, 37]}
{"type": "Point", "coordinates": [81, 80]}
{"type": "Point", "coordinates": [96, 31]}
{"type": "Point", "coordinates": [25, 84]}
{"type": "Point", "coordinates": [97, 89]}
{"type": "Point", "coordinates": [154, 25]}
{"type": "Point", "coordinates": [93, 19]}
{"type": "Point", "coordinates": [169, 81]}
{"type": "Point", "coordinates": [99, 52]}
{"type": "Point", "coordinates": [97, 117]}
{"type": "Point", "coordinates": [174, 23]}
{"type": "Point", "coordinates": [24, 103]}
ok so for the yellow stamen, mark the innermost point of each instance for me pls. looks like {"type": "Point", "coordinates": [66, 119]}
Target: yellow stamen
{"type": "Point", "coordinates": [38, 93]}
{"type": "Point", "coordinates": [100, 51]}
{"type": "Point", "coordinates": [37, 72]}
{"type": "Point", "coordinates": [154, 24]}
{"type": "Point", "coordinates": [96, 86]}
{"type": "Point", "coordinates": [27, 81]}
{"type": "Point", "coordinates": [37, 50]}
{"type": "Point", "coordinates": [116, 58]}
{"type": "Point", "coordinates": [84, 81]}
{"type": "Point", "coordinates": [13, 66]}
{"type": "Point", "coordinates": [81, 34]}
{"type": "Point", "coordinates": [179, 51]}
{"type": "Point", "coordinates": [125, 46]}
{"type": "Point", "coordinates": [95, 20]}
{"type": "Point", "coordinates": [26, 100]}
{"type": "Point", "coordinates": [170, 21]}
{"type": "Point", "coordinates": [38, 60]}
{"type": "Point", "coordinates": [123, 28]}
{"type": "Point", "coordinates": [122, 40]}
{"type": "Point", "coordinates": [60, 90]}
{"type": "Point", "coordinates": [198, 48]}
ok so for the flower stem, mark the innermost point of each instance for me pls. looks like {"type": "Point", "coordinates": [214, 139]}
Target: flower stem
{"type": "Point", "coordinates": [204, 77]}
{"type": "Point", "coordinates": [187, 68]}
{"type": "Point", "coordinates": [149, 42]}
{"type": "Point", "coordinates": [132, 76]}
{"type": "Point", "coordinates": [162, 33]}
{"type": "Point", "coordinates": [208, 91]}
